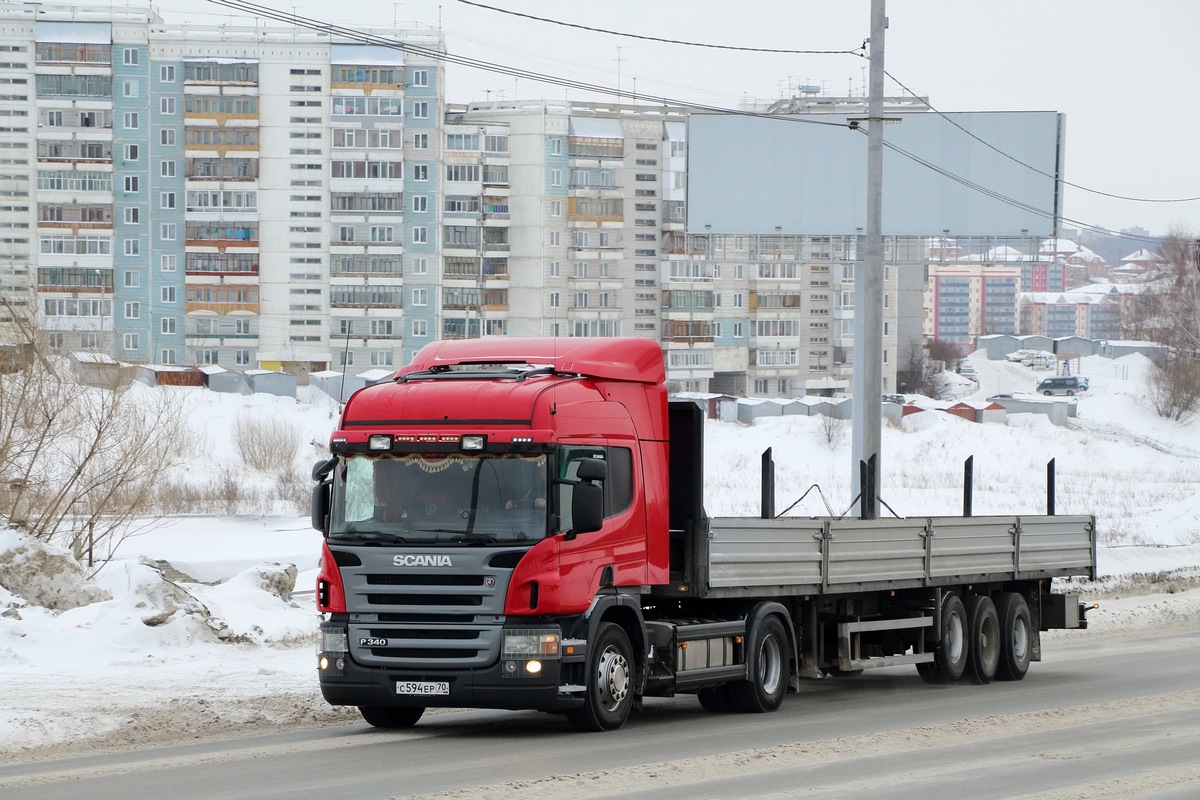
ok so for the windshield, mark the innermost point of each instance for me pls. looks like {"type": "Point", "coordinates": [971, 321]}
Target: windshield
{"type": "Point", "coordinates": [440, 498]}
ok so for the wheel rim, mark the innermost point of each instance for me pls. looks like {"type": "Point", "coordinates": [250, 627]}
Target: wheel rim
{"type": "Point", "coordinates": [770, 665]}
{"type": "Point", "coordinates": [613, 675]}
{"type": "Point", "coordinates": [989, 644]}
{"type": "Point", "coordinates": [955, 638]}
{"type": "Point", "coordinates": [1020, 639]}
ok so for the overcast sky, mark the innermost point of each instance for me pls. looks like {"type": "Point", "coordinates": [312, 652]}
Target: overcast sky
{"type": "Point", "coordinates": [1123, 72]}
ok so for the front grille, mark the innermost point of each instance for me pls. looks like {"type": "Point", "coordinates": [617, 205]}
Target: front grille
{"type": "Point", "coordinates": [451, 615]}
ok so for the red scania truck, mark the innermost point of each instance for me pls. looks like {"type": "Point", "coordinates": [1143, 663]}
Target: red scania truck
{"type": "Point", "coordinates": [519, 524]}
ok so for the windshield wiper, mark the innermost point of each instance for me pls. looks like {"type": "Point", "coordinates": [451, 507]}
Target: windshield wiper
{"type": "Point", "coordinates": [369, 537]}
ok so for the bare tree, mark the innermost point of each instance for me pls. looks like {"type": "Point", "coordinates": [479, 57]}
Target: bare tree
{"type": "Point", "coordinates": [82, 462]}
{"type": "Point", "coordinates": [1175, 388]}
{"type": "Point", "coordinates": [1169, 312]}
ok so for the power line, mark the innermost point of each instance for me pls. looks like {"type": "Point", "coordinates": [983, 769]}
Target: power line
{"type": "Point", "coordinates": [858, 51]}
{"type": "Point", "coordinates": [1016, 160]}
{"type": "Point", "coordinates": [487, 66]}
{"type": "Point", "coordinates": [367, 38]}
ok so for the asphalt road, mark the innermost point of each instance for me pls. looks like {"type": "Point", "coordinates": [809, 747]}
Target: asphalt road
{"type": "Point", "coordinates": [1096, 720]}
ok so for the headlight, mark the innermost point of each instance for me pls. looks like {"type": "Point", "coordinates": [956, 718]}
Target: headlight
{"type": "Point", "coordinates": [473, 442]}
{"type": "Point", "coordinates": [534, 643]}
{"type": "Point", "coordinates": [334, 641]}
{"type": "Point", "coordinates": [379, 441]}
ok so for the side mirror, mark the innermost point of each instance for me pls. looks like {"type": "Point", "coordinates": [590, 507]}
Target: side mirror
{"type": "Point", "coordinates": [322, 495]}
{"type": "Point", "coordinates": [323, 468]}
{"type": "Point", "coordinates": [587, 499]}
{"type": "Point", "coordinates": [587, 509]}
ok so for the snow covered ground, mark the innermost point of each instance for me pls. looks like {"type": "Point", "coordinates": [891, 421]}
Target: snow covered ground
{"type": "Point", "coordinates": [222, 643]}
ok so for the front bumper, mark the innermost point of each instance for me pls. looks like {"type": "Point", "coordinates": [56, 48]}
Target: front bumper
{"type": "Point", "coordinates": [485, 687]}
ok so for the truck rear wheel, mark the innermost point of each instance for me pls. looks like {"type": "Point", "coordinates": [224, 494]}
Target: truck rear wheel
{"type": "Point", "coordinates": [768, 679]}
{"type": "Point", "coordinates": [387, 717]}
{"type": "Point", "coordinates": [610, 686]}
{"type": "Point", "coordinates": [950, 652]}
{"type": "Point", "coordinates": [984, 653]}
{"type": "Point", "coordinates": [1016, 636]}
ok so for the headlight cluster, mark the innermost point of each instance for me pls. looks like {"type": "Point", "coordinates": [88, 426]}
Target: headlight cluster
{"type": "Point", "coordinates": [524, 650]}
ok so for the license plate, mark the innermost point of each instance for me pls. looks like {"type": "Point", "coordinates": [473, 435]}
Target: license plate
{"type": "Point", "coordinates": [422, 687]}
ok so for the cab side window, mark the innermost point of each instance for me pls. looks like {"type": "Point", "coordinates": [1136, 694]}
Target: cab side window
{"type": "Point", "coordinates": [618, 487]}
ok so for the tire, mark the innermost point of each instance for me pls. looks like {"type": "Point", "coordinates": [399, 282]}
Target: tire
{"type": "Point", "coordinates": [1016, 636]}
{"type": "Point", "coordinates": [715, 699]}
{"type": "Point", "coordinates": [388, 717]}
{"type": "Point", "coordinates": [952, 648]}
{"type": "Point", "coordinates": [610, 687]}
{"type": "Point", "coordinates": [1070, 392]}
{"type": "Point", "coordinates": [1048, 393]}
{"type": "Point", "coordinates": [768, 677]}
{"type": "Point", "coordinates": [984, 656]}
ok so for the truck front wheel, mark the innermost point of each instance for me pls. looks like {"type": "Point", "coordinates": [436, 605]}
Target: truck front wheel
{"type": "Point", "coordinates": [385, 717]}
{"type": "Point", "coordinates": [951, 651]}
{"type": "Point", "coordinates": [768, 678]}
{"type": "Point", "coordinates": [610, 686]}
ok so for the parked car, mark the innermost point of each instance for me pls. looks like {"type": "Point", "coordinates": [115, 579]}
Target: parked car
{"type": "Point", "coordinates": [1068, 385]}
{"type": "Point", "coordinates": [1020, 355]}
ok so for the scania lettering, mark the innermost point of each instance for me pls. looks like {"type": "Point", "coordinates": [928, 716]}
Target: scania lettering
{"type": "Point", "coordinates": [520, 524]}
{"type": "Point", "coordinates": [422, 561]}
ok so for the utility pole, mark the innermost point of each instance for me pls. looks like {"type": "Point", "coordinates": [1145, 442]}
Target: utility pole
{"type": "Point", "coordinates": [868, 295]}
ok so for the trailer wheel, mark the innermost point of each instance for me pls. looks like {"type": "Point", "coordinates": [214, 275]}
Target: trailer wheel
{"type": "Point", "coordinates": [984, 653]}
{"type": "Point", "coordinates": [1016, 636]}
{"type": "Point", "coordinates": [765, 687]}
{"type": "Point", "coordinates": [610, 682]}
{"type": "Point", "coordinates": [950, 652]}
{"type": "Point", "coordinates": [387, 717]}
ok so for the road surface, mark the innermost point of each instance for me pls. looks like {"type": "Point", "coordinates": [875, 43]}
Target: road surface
{"type": "Point", "coordinates": [1099, 719]}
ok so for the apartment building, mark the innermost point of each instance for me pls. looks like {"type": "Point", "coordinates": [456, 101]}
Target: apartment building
{"type": "Point", "coordinates": [967, 300]}
{"type": "Point", "coordinates": [219, 195]}
{"type": "Point", "coordinates": [253, 197]}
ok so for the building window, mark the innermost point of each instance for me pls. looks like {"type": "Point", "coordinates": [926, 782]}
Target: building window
{"type": "Point", "coordinates": [420, 172]}
{"type": "Point", "coordinates": [556, 177]}
{"type": "Point", "coordinates": [168, 294]}
{"type": "Point", "coordinates": [555, 269]}
{"type": "Point", "coordinates": [420, 328]}
{"type": "Point", "coordinates": [381, 358]}
{"type": "Point", "coordinates": [167, 199]}
{"type": "Point", "coordinates": [167, 262]}
{"type": "Point", "coordinates": [132, 281]}
{"type": "Point", "coordinates": [555, 238]}
{"type": "Point", "coordinates": [167, 231]}
{"type": "Point", "coordinates": [241, 357]}
{"type": "Point", "coordinates": [420, 141]}
{"type": "Point", "coordinates": [133, 310]}
{"type": "Point", "coordinates": [346, 233]}
{"type": "Point", "coordinates": [556, 208]}
{"type": "Point", "coordinates": [420, 203]}
{"type": "Point", "coordinates": [166, 105]}
{"type": "Point", "coordinates": [420, 110]}
{"type": "Point", "coordinates": [420, 77]}
{"type": "Point", "coordinates": [382, 233]}
{"type": "Point", "coordinates": [166, 137]}
{"type": "Point", "coordinates": [131, 120]}
{"type": "Point", "coordinates": [420, 235]}
{"type": "Point", "coordinates": [554, 300]}
{"type": "Point", "coordinates": [166, 73]}
{"type": "Point", "coordinates": [132, 247]}
{"type": "Point", "coordinates": [129, 57]}
{"type": "Point", "coordinates": [131, 342]}
{"type": "Point", "coordinates": [167, 168]}
{"type": "Point", "coordinates": [132, 215]}
{"type": "Point", "coordinates": [168, 325]}
{"type": "Point", "coordinates": [131, 152]}
{"type": "Point", "coordinates": [131, 183]}
{"type": "Point", "coordinates": [420, 297]}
